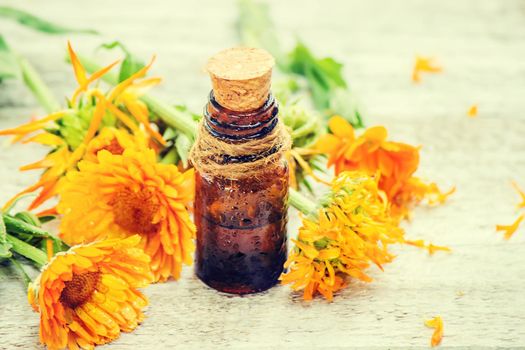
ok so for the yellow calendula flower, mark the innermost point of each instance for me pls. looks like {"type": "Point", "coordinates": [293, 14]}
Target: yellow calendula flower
{"type": "Point", "coordinates": [70, 131]}
{"type": "Point", "coordinates": [87, 295]}
{"type": "Point", "coordinates": [128, 194]}
{"type": "Point", "coordinates": [351, 231]}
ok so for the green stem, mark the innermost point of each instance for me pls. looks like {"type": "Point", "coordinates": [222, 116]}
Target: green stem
{"type": "Point", "coordinates": [19, 226]}
{"type": "Point", "coordinates": [301, 203]}
{"type": "Point", "coordinates": [166, 112]}
{"type": "Point", "coordinates": [37, 86]}
{"type": "Point", "coordinates": [20, 269]}
{"type": "Point", "coordinates": [27, 250]}
{"type": "Point", "coordinates": [172, 116]}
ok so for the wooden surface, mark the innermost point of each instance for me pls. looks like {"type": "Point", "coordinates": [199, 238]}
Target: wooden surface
{"type": "Point", "coordinates": [478, 289]}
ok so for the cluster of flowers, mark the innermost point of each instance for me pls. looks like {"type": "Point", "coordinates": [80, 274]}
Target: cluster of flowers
{"type": "Point", "coordinates": [126, 214]}
{"type": "Point", "coordinates": [373, 190]}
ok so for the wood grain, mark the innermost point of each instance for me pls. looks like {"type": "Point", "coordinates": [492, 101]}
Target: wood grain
{"type": "Point", "coordinates": [477, 289]}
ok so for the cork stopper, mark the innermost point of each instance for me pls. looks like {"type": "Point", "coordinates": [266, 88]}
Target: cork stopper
{"type": "Point", "coordinates": [241, 77]}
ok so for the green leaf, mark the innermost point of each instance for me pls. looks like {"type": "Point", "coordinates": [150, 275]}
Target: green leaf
{"type": "Point", "coordinates": [129, 66]}
{"type": "Point", "coordinates": [319, 87]}
{"type": "Point", "coordinates": [5, 246]}
{"type": "Point", "coordinates": [22, 227]}
{"type": "Point", "coordinates": [326, 70]}
{"type": "Point", "coordinates": [332, 69]}
{"type": "Point", "coordinates": [29, 218]}
{"type": "Point", "coordinates": [323, 75]}
{"type": "Point", "coordinates": [327, 85]}
{"type": "Point", "coordinates": [9, 67]}
{"type": "Point", "coordinates": [39, 24]}
{"type": "Point", "coordinates": [27, 250]}
{"type": "Point", "coordinates": [17, 225]}
{"type": "Point", "coordinates": [131, 63]}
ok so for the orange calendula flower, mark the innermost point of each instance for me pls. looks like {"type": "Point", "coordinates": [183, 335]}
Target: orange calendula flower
{"type": "Point", "coordinates": [395, 163]}
{"type": "Point", "coordinates": [87, 295]}
{"type": "Point", "coordinates": [347, 234]}
{"type": "Point", "coordinates": [128, 194]}
{"type": "Point", "coordinates": [437, 324]}
{"type": "Point", "coordinates": [424, 64]}
{"type": "Point", "coordinates": [473, 111]}
{"type": "Point", "coordinates": [510, 229]}
{"type": "Point", "coordinates": [89, 110]}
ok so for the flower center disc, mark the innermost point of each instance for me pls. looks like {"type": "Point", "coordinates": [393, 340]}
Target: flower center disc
{"type": "Point", "coordinates": [114, 147]}
{"type": "Point", "coordinates": [77, 291]}
{"type": "Point", "coordinates": [134, 211]}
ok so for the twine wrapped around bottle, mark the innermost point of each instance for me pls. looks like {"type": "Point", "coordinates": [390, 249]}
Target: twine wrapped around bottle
{"type": "Point", "coordinates": [213, 156]}
{"type": "Point", "coordinates": [241, 80]}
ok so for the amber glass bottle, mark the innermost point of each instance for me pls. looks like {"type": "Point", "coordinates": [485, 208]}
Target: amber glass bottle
{"type": "Point", "coordinates": [241, 221]}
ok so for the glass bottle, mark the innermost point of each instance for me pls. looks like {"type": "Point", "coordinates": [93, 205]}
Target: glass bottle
{"type": "Point", "coordinates": [241, 222]}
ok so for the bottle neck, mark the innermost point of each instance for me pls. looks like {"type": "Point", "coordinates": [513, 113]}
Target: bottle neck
{"type": "Point", "coordinates": [238, 126]}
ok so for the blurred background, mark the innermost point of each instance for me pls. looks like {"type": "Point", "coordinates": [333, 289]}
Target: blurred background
{"type": "Point", "coordinates": [479, 44]}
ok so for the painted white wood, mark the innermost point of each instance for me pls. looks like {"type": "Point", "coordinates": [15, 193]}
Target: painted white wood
{"type": "Point", "coordinates": [478, 289]}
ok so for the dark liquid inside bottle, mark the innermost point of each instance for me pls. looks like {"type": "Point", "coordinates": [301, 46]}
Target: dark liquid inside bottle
{"type": "Point", "coordinates": [241, 224]}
